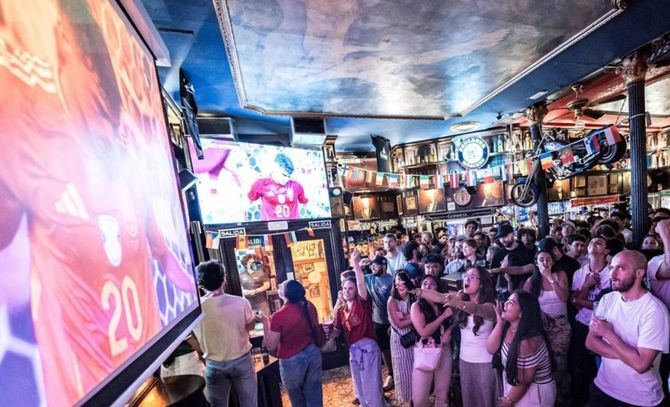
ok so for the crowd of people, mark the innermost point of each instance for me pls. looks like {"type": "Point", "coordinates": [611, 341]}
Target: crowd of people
{"type": "Point", "coordinates": [574, 318]}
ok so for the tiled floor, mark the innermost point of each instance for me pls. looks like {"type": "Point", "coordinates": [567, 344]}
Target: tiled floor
{"type": "Point", "coordinates": [338, 390]}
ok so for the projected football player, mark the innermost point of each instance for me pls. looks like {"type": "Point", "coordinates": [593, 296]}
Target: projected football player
{"type": "Point", "coordinates": [84, 176]}
{"type": "Point", "coordinates": [279, 194]}
{"type": "Point", "coordinates": [255, 283]}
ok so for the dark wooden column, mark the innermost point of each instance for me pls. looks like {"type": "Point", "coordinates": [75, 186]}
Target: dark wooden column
{"type": "Point", "coordinates": [535, 114]}
{"type": "Point", "coordinates": [633, 70]}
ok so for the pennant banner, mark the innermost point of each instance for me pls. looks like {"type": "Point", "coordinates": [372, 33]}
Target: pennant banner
{"type": "Point", "coordinates": [454, 180]}
{"type": "Point", "coordinates": [393, 180]}
{"type": "Point", "coordinates": [380, 179]}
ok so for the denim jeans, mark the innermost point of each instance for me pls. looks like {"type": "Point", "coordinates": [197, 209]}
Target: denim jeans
{"type": "Point", "coordinates": [366, 372]}
{"type": "Point", "coordinates": [301, 375]}
{"type": "Point", "coordinates": [219, 376]}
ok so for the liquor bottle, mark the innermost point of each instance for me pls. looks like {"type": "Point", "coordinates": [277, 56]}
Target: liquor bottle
{"type": "Point", "coordinates": [266, 355]}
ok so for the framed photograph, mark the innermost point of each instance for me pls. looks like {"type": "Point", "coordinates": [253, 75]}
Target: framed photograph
{"type": "Point", "coordinates": [398, 202]}
{"type": "Point", "coordinates": [432, 200]}
{"type": "Point", "coordinates": [411, 203]}
{"type": "Point", "coordinates": [366, 207]}
{"type": "Point", "coordinates": [580, 181]}
{"type": "Point", "coordinates": [614, 180]}
{"type": "Point", "coordinates": [597, 185]}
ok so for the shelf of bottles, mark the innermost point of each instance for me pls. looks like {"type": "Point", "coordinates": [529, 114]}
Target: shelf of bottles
{"type": "Point", "coordinates": [441, 157]}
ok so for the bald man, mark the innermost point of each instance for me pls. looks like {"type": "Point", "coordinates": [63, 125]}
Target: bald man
{"type": "Point", "coordinates": [630, 331]}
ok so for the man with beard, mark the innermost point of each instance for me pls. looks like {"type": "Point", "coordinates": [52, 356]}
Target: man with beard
{"type": "Point", "coordinates": [379, 284]}
{"type": "Point", "coordinates": [394, 257]}
{"type": "Point", "coordinates": [629, 331]}
{"type": "Point", "coordinates": [510, 245]}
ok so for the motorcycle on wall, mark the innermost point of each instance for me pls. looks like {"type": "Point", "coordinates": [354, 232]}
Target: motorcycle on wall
{"type": "Point", "coordinates": [595, 148]}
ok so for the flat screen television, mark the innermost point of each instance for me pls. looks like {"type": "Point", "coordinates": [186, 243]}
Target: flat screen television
{"type": "Point", "coordinates": [96, 268]}
{"type": "Point", "coordinates": [244, 182]}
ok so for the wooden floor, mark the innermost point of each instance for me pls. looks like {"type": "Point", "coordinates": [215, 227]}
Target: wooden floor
{"type": "Point", "coordinates": [338, 390]}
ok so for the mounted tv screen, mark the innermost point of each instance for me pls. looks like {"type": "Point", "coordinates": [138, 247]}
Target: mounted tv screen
{"type": "Point", "coordinates": [242, 182]}
{"type": "Point", "coordinates": [95, 261]}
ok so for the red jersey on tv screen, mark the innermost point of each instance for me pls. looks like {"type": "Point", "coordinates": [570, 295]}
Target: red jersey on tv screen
{"type": "Point", "coordinates": [278, 202]}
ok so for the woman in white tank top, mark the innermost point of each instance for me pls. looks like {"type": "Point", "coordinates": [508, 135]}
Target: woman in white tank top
{"type": "Point", "coordinates": [552, 292]}
{"type": "Point", "coordinates": [475, 316]}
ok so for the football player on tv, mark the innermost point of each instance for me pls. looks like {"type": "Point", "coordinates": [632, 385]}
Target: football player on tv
{"type": "Point", "coordinates": [279, 194]}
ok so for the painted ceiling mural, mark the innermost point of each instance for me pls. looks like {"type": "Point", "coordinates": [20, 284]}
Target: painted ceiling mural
{"type": "Point", "coordinates": [390, 58]}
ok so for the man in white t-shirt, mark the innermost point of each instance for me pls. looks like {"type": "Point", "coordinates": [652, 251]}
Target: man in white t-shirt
{"type": "Point", "coordinates": [587, 282]}
{"type": "Point", "coordinates": [394, 257]}
{"type": "Point", "coordinates": [658, 272]}
{"type": "Point", "coordinates": [630, 332]}
{"type": "Point", "coordinates": [223, 335]}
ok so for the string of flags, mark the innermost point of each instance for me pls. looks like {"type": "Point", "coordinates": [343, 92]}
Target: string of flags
{"type": "Point", "coordinates": [505, 172]}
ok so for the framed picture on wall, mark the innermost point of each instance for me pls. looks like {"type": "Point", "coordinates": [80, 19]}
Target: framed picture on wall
{"type": "Point", "coordinates": [411, 203]}
{"type": "Point", "coordinates": [398, 202]}
{"type": "Point", "coordinates": [614, 180]}
{"type": "Point", "coordinates": [580, 181]}
{"type": "Point", "coordinates": [597, 185]}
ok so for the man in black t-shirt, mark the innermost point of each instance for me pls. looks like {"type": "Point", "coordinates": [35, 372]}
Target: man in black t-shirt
{"type": "Point", "coordinates": [510, 245]}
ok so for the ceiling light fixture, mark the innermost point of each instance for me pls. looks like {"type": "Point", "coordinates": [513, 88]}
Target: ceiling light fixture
{"type": "Point", "coordinates": [538, 95]}
{"type": "Point", "coordinates": [463, 127]}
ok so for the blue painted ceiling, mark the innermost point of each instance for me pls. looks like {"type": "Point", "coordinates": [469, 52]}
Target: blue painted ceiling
{"type": "Point", "coordinates": [193, 36]}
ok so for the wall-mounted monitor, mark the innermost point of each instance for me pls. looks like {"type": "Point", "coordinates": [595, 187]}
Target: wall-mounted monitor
{"type": "Point", "coordinates": [242, 182]}
{"type": "Point", "coordinates": [96, 269]}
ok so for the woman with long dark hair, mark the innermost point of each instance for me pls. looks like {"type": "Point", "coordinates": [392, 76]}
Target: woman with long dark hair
{"type": "Point", "coordinates": [527, 360]}
{"type": "Point", "coordinates": [475, 316]}
{"type": "Point", "coordinates": [294, 331]}
{"type": "Point", "coordinates": [552, 292]}
{"type": "Point", "coordinates": [401, 324]}
{"type": "Point", "coordinates": [431, 322]}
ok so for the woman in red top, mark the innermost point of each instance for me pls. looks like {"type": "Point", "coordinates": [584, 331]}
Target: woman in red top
{"type": "Point", "coordinates": [293, 330]}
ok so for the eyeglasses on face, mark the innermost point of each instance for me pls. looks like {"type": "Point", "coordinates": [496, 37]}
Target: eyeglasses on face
{"type": "Point", "coordinates": [470, 277]}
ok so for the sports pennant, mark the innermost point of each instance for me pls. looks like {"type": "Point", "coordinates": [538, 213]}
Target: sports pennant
{"type": "Point", "coordinates": [546, 161]}
{"type": "Point", "coordinates": [439, 181]}
{"type": "Point", "coordinates": [612, 135]}
{"type": "Point", "coordinates": [355, 174]}
{"type": "Point", "coordinates": [423, 182]}
{"type": "Point", "coordinates": [290, 237]}
{"type": "Point", "coordinates": [379, 180]}
{"type": "Point", "coordinates": [454, 180]}
{"type": "Point", "coordinates": [591, 144]}
{"type": "Point", "coordinates": [393, 180]}
{"type": "Point", "coordinates": [310, 232]}
{"type": "Point", "coordinates": [567, 156]}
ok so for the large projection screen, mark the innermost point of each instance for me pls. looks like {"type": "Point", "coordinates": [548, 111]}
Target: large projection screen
{"type": "Point", "coordinates": [95, 265]}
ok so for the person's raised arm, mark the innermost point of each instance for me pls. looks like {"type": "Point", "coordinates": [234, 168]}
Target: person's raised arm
{"type": "Point", "coordinates": [360, 278]}
{"type": "Point", "coordinates": [496, 337]}
{"type": "Point", "coordinates": [515, 270]}
{"type": "Point", "coordinates": [486, 311]}
{"type": "Point", "coordinates": [419, 321]}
